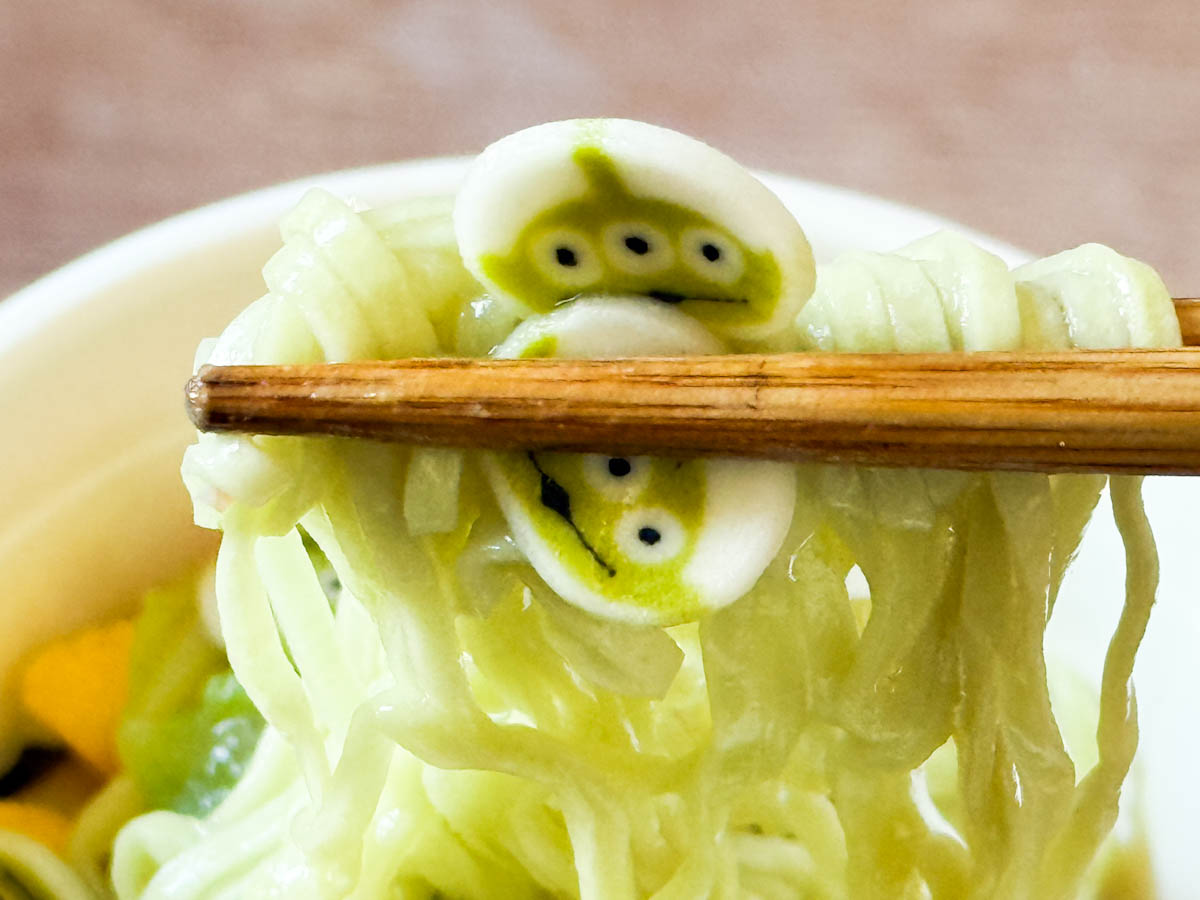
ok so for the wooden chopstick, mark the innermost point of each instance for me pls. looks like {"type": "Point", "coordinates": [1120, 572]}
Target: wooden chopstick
{"type": "Point", "coordinates": [1133, 411]}
{"type": "Point", "coordinates": [1187, 309]}
{"type": "Point", "coordinates": [1120, 411]}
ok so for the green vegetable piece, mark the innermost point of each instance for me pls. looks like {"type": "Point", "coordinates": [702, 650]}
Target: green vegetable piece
{"type": "Point", "coordinates": [191, 760]}
{"type": "Point", "coordinates": [189, 728]}
{"type": "Point", "coordinates": [172, 655]}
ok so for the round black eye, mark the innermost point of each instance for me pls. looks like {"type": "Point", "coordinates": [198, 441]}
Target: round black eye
{"type": "Point", "coordinates": [637, 244]}
{"type": "Point", "coordinates": [711, 252]}
{"type": "Point", "coordinates": [648, 535]}
{"type": "Point", "coordinates": [619, 467]}
{"type": "Point", "coordinates": [565, 256]}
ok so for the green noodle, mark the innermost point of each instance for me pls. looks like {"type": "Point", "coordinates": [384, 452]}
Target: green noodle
{"type": "Point", "coordinates": [29, 871]}
{"type": "Point", "coordinates": [1093, 806]}
{"type": "Point", "coordinates": [451, 727]}
{"type": "Point", "coordinates": [91, 843]}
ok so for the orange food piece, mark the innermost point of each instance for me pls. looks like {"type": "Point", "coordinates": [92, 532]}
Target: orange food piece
{"type": "Point", "coordinates": [37, 822]}
{"type": "Point", "coordinates": [77, 687]}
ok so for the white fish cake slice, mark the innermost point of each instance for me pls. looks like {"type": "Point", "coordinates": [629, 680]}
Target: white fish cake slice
{"type": "Point", "coordinates": [638, 539]}
{"type": "Point", "coordinates": [612, 206]}
{"type": "Point", "coordinates": [610, 328]}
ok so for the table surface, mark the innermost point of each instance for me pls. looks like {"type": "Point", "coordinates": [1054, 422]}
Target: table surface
{"type": "Point", "coordinates": [1046, 124]}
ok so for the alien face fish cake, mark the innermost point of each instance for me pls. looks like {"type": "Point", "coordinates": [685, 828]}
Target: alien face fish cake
{"type": "Point", "coordinates": [634, 538]}
{"type": "Point", "coordinates": [618, 207]}
{"type": "Point", "coordinates": [634, 240]}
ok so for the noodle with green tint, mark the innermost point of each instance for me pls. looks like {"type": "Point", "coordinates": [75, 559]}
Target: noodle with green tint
{"type": "Point", "coordinates": [456, 675]}
{"type": "Point", "coordinates": [30, 871]}
{"type": "Point", "coordinates": [463, 732]}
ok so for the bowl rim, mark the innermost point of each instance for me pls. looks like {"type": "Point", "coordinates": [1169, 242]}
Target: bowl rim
{"type": "Point", "coordinates": [40, 303]}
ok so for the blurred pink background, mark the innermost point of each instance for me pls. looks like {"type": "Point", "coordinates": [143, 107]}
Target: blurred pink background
{"type": "Point", "coordinates": [1047, 124]}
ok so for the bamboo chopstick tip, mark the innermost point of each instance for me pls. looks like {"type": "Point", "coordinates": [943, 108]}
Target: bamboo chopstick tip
{"type": "Point", "coordinates": [196, 398]}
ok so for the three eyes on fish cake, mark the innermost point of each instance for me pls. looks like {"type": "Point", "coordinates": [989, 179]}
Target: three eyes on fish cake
{"type": "Point", "coordinates": [569, 257]}
{"type": "Point", "coordinates": [644, 534]}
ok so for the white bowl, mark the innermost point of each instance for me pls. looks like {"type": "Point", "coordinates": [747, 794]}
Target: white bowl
{"type": "Point", "coordinates": [92, 364]}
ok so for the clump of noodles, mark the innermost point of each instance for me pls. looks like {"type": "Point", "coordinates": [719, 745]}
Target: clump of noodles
{"type": "Point", "coordinates": [450, 727]}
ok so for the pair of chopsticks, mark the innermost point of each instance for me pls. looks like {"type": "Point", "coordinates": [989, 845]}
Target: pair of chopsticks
{"type": "Point", "coordinates": [1130, 411]}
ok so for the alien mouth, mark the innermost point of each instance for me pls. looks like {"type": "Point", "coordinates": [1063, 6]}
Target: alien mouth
{"type": "Point", "coordinates": [557, 499]}
{"type": "Point", "coordinates": [672, 297]}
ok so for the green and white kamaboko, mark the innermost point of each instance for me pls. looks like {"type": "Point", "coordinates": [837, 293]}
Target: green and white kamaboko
{"type": "Point", "coordinates": [638, 539]}
{"type": "Point", "coordinates": [629, 238]}
{"type": "Point", "coordinates": [613, 206]}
